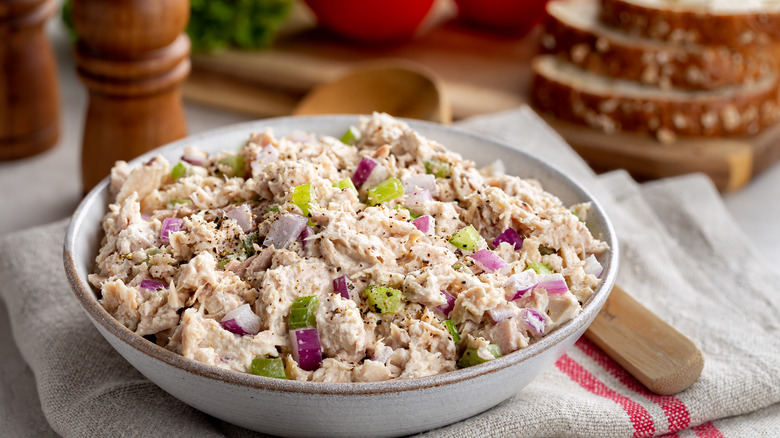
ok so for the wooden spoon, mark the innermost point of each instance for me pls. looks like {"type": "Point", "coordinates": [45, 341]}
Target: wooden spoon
{"type": "Point", "coordinates": [652, 351]}
{"type": "Point", "coordinates": [397, 87]}
{"type": "Point", "coordinates": [660, 357]}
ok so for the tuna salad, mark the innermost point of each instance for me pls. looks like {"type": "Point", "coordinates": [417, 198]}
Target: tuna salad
{"type": "Point", "coordinates": [376, 256]}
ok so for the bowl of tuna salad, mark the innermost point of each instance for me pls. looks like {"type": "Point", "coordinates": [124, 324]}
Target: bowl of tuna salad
{"type": "Point", "coordinates": [340, 275]}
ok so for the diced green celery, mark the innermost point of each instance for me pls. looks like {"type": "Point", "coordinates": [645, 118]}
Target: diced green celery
{"type": "Point", "coordinates": [302, 196]}
{"type": "Point", "coordinates": [303, 313]}
{"type": "Point", "coordinates": [311, 223]}
{"type": "Point", "coordinates": [236, 164]}
{"type": "Point", "coordinates": [471, 358]}
{"type": "Point", "coordinates": [460, 267]}
{"type": "Point", "coordinates": [179, 170]}
{"type": "Point", "coordinates": [150, 253]}
{"type": "Point", "coordinates": [229, 258]}
{"type": "Point", "coordinates": [274, 209]}
{"type": "Point", "coordinates": [346, 183]}
{"type": "Point", "coordinates": [352, 136]}
{"type": "Point", "coordinates": [438, 168]}
{"type": "Point", "coordinates": [452, 329]}
{"type": "Point", "coordinates": [466, 238]}
{"type": "Point", "coordinates": [412, 214]}
{"type": "Point", "coordinates": [269, 367]}
{"type": "Point", "coordinates": [577, 215]}
{"type": "Point", "coordinates": [174, 202]}
{"type": "Point", "coordinates": [248, 244]}
{"type": "Point", "coordinates": [387, 190]}
{"type": "Point", "coordinates": [540, 268]}
{"type": "Point", "coordinates": [384, 300]}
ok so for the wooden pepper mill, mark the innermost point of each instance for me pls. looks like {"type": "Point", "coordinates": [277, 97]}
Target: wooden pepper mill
{"type": "Point", "coordinates": [132, 55]}
{"type": "Point", "coordinates": [29, 96]}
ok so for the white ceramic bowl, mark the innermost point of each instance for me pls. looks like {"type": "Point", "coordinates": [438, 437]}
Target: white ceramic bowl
{"type": "Point", "coordinates": [292, 408]}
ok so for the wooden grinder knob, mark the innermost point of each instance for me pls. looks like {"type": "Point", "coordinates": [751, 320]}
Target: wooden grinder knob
{"type": "Point", "coordinates": [132, 55]}
{"type": "Point", "coordinates": [29, 97]}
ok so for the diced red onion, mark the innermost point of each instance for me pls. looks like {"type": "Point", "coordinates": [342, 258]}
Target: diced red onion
{"type": "Point", "coordinates": [534, 321]}
{"type": "Point", "coordinates": [488, 260]}
{"type": "Point", "coordinates": [418, 199]}
{"type": "Point", "coordinates": [423, 223]}
{"type": "Point", "coordinates": [269, 154]}
{"type": "Point", "coordinates": [422, 180]}
{"type": "Point", "coordinates": [341, 287]}
{"type": "Point", "coordinates": [383, 354]}
{"type": "Point", "coordinates": [146, 217]}
{"type": "Point", "coordinates": [364, 169]}
{"type": "Point", "coordinates": [195, 157]}
{"type": "Point", "coordinates": [447, 308]}
{"type": "Point", "coordinates": [241, 321]}
{"type": "Point", "coordinates": [306, 232]}
{"type": "Point", "coordinates": [592, 266]}
{"type": "Point", "coordinates": [306, 348]}
{"type": "Point", "coordinates": [552, 283]}
{"type": "Point", "coordinates": [151, 285]}
{"type": "Point", "coordinates": [378, 175]}
{"type": "Point", "coordinates": [509, 236]}
{"type": "Point", "coordinates": [518, 284]}
{"type": "Point", "coordinates": [302, 137]}
{"type": "Point", "coordinates": [242, 215]}
{"type": "Point", "coordinates": [170, 225]}
{"type": "Point", "coordinates": [498, 314]}
{"type": "Point", "coordinates": [285, 230]}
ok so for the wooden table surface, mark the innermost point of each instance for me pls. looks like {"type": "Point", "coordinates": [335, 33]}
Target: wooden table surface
{"type": "Point", "coordinates": [47, 187]}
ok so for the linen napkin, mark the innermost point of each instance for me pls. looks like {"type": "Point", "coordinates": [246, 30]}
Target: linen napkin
{"type": "Point", "coordinates": [683, 257]}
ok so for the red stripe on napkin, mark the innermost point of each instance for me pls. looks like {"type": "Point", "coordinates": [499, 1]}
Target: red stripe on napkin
{"type": "Point", "coordinates": [675, 410]}
{"type": "Point", "coordinates": [707, 430]}
{"type": "Point", "coordinates": [640, 418]}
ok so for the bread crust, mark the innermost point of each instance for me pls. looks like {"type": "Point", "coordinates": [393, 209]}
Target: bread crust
{"type": "Point", "coordinates": [709, 114]}
{"type": "Point", "coordinates": [679, 25]}
{"type": "Point", "coordinates": [600, 50]}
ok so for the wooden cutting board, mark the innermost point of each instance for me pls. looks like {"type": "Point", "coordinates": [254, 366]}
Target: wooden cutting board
{"type": "Point", "coordinates": [481, 74]}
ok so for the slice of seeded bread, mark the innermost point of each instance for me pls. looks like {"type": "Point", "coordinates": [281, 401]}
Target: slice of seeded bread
{"type": "Point", "coordinates": [728, 22]}
{"type": "Point", "coordinates": [573, 31]}
{"type": "Point", "coordinates": [614, 105]}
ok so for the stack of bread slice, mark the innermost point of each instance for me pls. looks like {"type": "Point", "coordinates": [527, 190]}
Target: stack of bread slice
{"type": "Point", "coordinates": [669, 68]}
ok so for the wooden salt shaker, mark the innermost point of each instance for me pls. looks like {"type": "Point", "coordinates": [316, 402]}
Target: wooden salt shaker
{"type": "Point", "coordinates": [29, 95]}
{"type": "Point", "coordinates": [132, 55]}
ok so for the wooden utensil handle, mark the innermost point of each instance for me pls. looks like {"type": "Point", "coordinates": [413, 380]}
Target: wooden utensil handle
{"type": "Point", "coordinates": [658, 355]}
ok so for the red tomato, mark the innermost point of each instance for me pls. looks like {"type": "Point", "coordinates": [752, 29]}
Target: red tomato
{"type": "Point", "coordinates": [371, 20]}
{"type": "Point", "coordinates": [502, 16]}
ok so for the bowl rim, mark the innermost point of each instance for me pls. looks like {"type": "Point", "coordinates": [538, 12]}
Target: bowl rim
{"type": "Point", "coordinates": [98, 314]}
